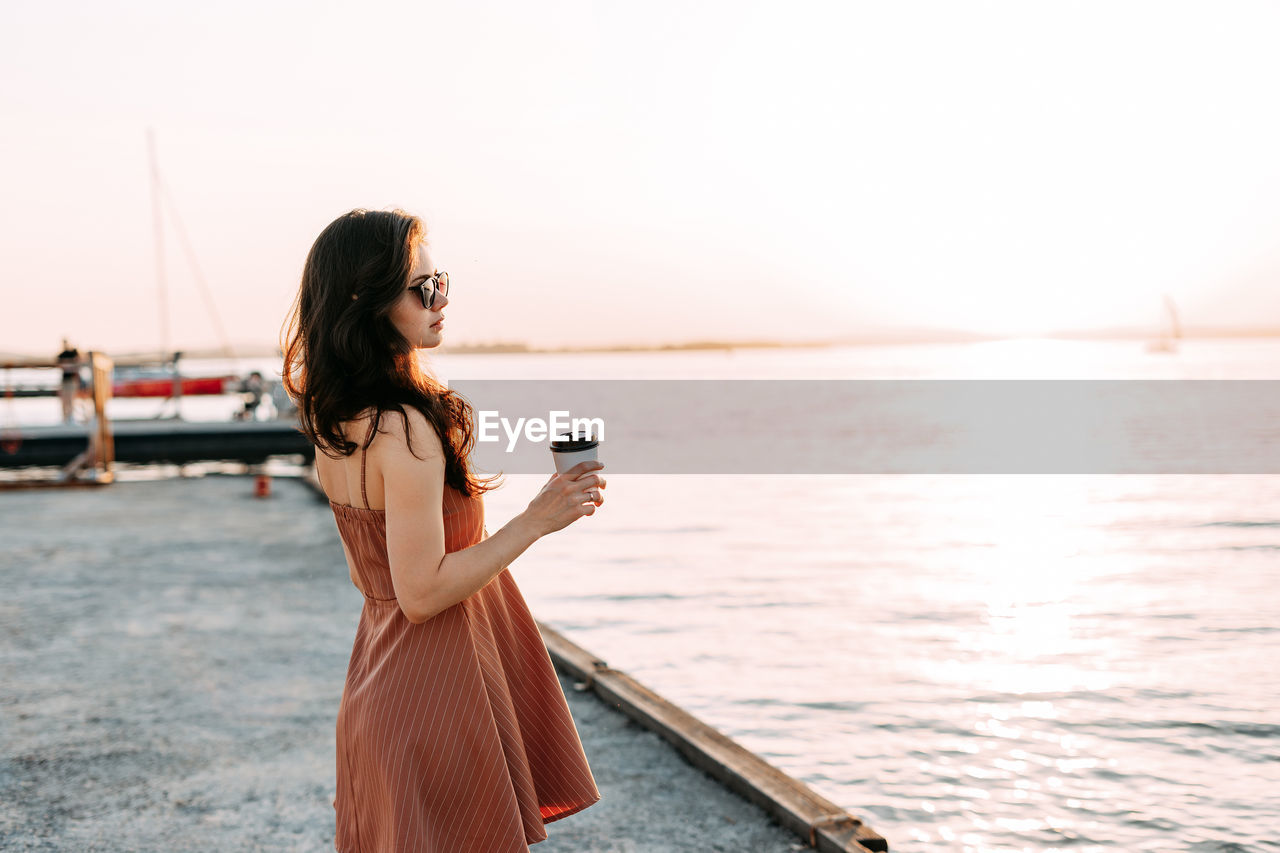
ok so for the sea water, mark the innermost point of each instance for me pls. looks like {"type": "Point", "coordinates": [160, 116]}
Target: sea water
{"type": "Point", "coordinates": [974, 663]}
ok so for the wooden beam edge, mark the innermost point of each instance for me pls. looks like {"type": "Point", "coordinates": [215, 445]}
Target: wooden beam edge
{"type": "Point", "coordinates": [818, 821]}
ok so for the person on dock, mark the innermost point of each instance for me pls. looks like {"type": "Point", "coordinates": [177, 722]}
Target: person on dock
{"type": "Point", "coordinates": [69, 361]}
{"type": "Point", "coordinates": [252, 388]}
{"type": "Point", "coordinates": [453, 732]}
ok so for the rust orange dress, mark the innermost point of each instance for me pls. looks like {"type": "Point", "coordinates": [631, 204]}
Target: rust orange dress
{"type": "Point", "coordinates": [453, 734]}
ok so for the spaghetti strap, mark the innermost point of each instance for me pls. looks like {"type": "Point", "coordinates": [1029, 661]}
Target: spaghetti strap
{"type": "Point", "coordinates": [364, 448]}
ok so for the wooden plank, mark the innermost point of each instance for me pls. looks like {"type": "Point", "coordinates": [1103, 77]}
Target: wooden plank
{"type": "Point", "coordinates": [27, 362]}
{"type": "Point", "coordinates": [818, 821]}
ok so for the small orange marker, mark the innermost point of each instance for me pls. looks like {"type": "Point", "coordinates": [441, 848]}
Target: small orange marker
{"type": "Point", "coordinates": [262, 486]}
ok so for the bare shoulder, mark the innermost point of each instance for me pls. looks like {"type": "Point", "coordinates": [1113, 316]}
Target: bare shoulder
{"type": "Point", "coordinates": [419, 442]}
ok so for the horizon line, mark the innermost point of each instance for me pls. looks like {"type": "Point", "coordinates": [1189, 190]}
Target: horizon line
{"type": "Point", "coordinates": [870, 337]}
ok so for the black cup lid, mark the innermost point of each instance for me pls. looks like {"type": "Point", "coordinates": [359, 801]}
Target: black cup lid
{"type": "Point", "coordinates": [572, 443]}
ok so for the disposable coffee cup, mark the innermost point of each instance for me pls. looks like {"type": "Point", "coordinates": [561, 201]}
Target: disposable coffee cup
{"type": "Point", "coordinates": [569, 450]}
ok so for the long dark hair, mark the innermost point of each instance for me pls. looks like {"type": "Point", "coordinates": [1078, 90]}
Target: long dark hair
{"type": "Point", "coordinates": [343, 355]}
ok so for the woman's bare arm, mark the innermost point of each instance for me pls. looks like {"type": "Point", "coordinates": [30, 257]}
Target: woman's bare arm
{"type": "Point", "coordinates": [426, 580]}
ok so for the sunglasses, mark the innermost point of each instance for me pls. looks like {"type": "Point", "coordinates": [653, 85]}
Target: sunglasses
{"type": "Point", "coordinates": [430, 286]}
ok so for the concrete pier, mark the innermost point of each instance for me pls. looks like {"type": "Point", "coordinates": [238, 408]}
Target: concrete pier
{"type": "Point", "coordinates": [171, 663]}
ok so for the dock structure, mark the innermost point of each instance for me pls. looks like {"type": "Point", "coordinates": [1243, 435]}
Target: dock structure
{"type": "Point", "coordinates": [88, 454]}
{"type": "Point", "coordinates": [172, 670]}
{"type": "Point", "coordinates": [85, 452]}
{"type": "Point", "coordinates": [154, 441]}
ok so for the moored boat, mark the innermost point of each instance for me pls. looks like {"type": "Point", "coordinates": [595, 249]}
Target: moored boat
{"type": "Point", "coordinates": [164, 386]}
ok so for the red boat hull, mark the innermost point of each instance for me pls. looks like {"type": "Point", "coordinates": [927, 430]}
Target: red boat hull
{"type": "Point", "coordinates": [191, 386]}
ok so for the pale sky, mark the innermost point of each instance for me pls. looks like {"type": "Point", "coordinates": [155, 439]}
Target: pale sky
{"type": "Point", "coordinates": [635, 173]}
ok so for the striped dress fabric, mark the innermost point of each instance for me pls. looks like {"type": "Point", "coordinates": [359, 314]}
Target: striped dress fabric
{"type": "Point", "coordinates": [453, 734]}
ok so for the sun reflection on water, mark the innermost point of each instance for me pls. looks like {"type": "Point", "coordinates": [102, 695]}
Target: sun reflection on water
{"type": "Point", "coordinates": [1032, 577]}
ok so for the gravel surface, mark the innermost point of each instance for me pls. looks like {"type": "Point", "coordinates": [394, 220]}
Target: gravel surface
{"type": "Point", "coordinates": [172, 656]}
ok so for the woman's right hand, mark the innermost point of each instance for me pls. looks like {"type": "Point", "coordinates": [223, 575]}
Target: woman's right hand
{"type": "Point", "coordinates": [567, 497]}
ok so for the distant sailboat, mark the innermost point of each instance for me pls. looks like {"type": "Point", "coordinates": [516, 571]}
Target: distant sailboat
{"type": "Point", "coordinates": [1170, 332]}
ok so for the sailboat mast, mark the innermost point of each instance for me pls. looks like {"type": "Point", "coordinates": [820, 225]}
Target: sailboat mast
{"type": "Point", "coordinates": [162, 299]}
{"type": "Point", "coordinates": [1175, 326]}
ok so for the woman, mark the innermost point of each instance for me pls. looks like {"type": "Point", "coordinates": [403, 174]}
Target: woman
{"type": "Point", "coordinates": [453, 733]}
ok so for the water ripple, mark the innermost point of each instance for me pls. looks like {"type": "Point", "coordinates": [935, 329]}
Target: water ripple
{"type": "Point", "coordinates": [638, 596]}
{"type": "Point", "coordinates": [1238, 524]}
